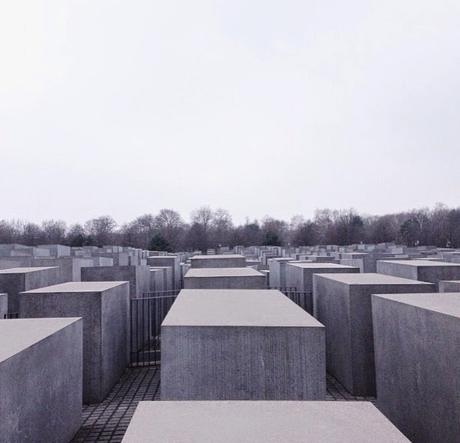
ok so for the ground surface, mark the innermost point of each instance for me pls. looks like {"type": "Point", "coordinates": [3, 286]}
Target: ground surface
{"type": "Point", "coordinates": [108, 421]}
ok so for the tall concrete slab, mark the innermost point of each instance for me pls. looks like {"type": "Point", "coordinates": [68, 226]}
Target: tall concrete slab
{"type": "Point", "coordinates": [260, 422]}
{"type": "Point", "coordinates": [137, 276]}
{"type": "Point", "coordinates": [241, 345]}
{"type": "Point", "coordinates": [299, 275]}
{"type": "Point", "coordinates": [16, 280]}
{"type": "Point", "coordinates": [172, 261]}
{"type": "Point", "coordinates": [40, 379]}
{"type": "Point", "coordinates": [342, 302]}
{"type": "Point", "coordinates": [224, 278]}
{"type": "Point", "coordinates": [104, 308]}
{"type": "Point", "coordinates": [417, 360]}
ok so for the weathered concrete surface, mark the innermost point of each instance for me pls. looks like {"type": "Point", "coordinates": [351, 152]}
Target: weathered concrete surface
{"type": "Point", "coordinates": [157, 279]}
{"type": "Point", "coordinates": [342, 302]}
{"type": "Point", "coordinates": [172, 261]}
{"type": "Point", "coordinates": [260, 422]}
{"type": "Point", "coordinates": [137, 276]}
{"type": "Point", "coordinates": [224, 278]}
{"type": "Point", "coordinates": [417, 359]}
{"type": "Point", "coordinates": [167, 275]}
{"type": "Point", "coordinates": [299, 275]}
{"type": "Point", "coordinates": [16, 280]}
{"type": "Point", "coordinates": [241, 345]}
{"type": "Point", "coordinates": [449, 286]}
{"type": "Point", "coordinates": [218, 261]}
{"type": "Point", "coordinates": [104, 307]}
{"type": "Point", "coordinates": [277, 267]}
{"type": "Point", "coordinates": [3, 305]}
{"type": "Point", "coordinates": [422, 270]}
{"type": "Point", "coordinates": [40, 379]}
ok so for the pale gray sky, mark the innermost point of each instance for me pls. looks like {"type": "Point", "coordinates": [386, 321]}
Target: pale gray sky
{"type": "Point", "coordinates": [260, 107]}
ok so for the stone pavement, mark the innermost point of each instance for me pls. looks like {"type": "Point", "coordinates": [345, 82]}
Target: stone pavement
{"type": "Point", "coordinates": [108, 421]}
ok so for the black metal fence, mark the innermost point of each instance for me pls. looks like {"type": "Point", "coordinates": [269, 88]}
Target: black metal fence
{"type": "Point", "coordinates": [147, 314]}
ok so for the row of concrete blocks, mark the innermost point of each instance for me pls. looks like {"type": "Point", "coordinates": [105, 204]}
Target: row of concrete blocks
{"type": "Point", "coordinates": [46, 359]}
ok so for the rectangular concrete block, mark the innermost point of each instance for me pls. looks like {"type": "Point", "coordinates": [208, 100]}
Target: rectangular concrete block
{"type": "Point", "coordinates": [224, 278]}
{"type": "Point", "coordinates": [3, 305]}
{"type": "Point", "coordinates": [417, 358]}
{"type": "Point", "coordinates": [137, 276]}
{"type": "Point", "coordinates": [260, 422]}
{"type": "Point", "coordinates": [218, 261]}
{"type": "Point", "coordinates": [300, 276]}
{"type": "Point", "coordinates": [449, 286]}
{"type": "Point", "coordinates": [171, 261]}
{"type": "Point", "coordinates": [422, 270]}
{"type": "Point", "coordinates": [16, 280]}
{"type": "Point", "coordinates": [40, 379]}
{"type": "Point", "coordinates": [241, 345]}
{"type": "Point", "coordinates": [104, 307]}
{"type": "Point", "coordinates": [277, 267]}
{"type": "Point", "coordinates": [342, 302]}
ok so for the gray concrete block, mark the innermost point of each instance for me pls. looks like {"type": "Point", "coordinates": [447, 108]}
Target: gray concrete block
{"type": "Point", "coordinates": [224, 278]}
{"type": "Point", "coordinates": [449, 286]}
{"type": "Point", "coordinates": [137, 276]}
{"type": "Point", "coordinates": [3, 305]}
{"type": "Point", "coordinates": [172, 261]}
{"type": "Point", "coordinates": [422, 270]}
{"type": "Point", "coordinates": [417, 359]}
{"type": "Point", "coordinates": [277, 267]}
{"type": "Point", "coordinates": [167, 275]}
{"type": "Point", "coordinates": [104, 307]}
{"type": "Point", "coordinates": [342, 302]}
{"type": "Point", "coordinates": [16, 280]}
{"type": "Point", "coordinates": [241, 345]}
{"type": "Point", "coordinates": [299, 275]}
{"type": "Point", "coordinates": [40, 380]}
{"type": "Point", "coordinates": [260, 422]}
{"type": "Point", "coordinates": [218, 261]}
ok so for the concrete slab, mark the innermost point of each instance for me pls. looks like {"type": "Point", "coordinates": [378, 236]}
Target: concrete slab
{"type": "Point", "coordinates": [260, 422]}
{"type": "Point", "coordinates": [218, 261]}
{"type": "Point", "coordinates": [422, 270]}
{"type": "Point", "coordinates": [40, 379]}
{"type": "Point", "coordinates": [3, 305]}
{"type": "Point", "coordinates": [104, 307]}
{"type": "Point", "coordinates": [417, 359]}
{"type": "Point", "coordinates": [449, 286]}
{"type": "Point", "coordinates": [224, 278]}
{"type": "Point", "coordinates": [13, 281]}
{"type": "Point", "coordinates": [299, 275]}
{"type": "Point", "coordinates": [342, 302]}
{"type": "Point", "coordinates": [241, 345]}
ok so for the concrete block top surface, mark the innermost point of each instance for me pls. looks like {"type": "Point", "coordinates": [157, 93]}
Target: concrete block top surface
{"type": "Point", "coordinates": [260, 422]}
{"type": "Point", "coordinates": [313, 265]}
{"type": "Point", "coordinates": [216, 257]}
{"type": "Point", "coordinates": [447, 303]}
{"type": "Point", "coordinates": [235, 307]}
{"type": "Point", "coordinates": [78, 286]}
{"type": "Point", "coordinates": [26, 270]}
{"type": "Point", "coordinates": [222, 272]}
{"type": "Point", "coordinates": [17, 335]}
{"type": "Point", "coordinates": [371, 279]}
{"type": "Point", "coordinates": [422, 263]}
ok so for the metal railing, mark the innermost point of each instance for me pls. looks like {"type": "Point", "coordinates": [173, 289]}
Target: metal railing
{"type": "Point", "coordinates": [147, 314]}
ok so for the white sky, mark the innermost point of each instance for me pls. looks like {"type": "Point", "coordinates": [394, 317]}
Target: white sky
{"type": "Point", "coordinates": [260, 107]}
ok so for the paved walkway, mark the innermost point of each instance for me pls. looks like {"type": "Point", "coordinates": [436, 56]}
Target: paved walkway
{"type": "Point", "coordinates": [108, 421]}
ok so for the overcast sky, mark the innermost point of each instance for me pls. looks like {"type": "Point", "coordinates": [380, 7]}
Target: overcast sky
{"type": "Point", "coordinates": [259, 107]}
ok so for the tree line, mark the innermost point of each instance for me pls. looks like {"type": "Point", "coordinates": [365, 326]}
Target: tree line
{"type": "Point", "coordinates": [207, 228]}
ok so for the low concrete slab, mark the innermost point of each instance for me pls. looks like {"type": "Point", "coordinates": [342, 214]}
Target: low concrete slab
{"type": "Point", "coordinates": [417, 360]}
{"type": "Point", "coordinates": [104, 307]}
{"type": "Point", "coordinates": [422, 270]}
{"type": "Point", "coordinates": [260, 422]}
{"type": "Point", "coordinates": [449, 286]}
{"type": "Point", "coordinates": [218, 261]}
{"type": "Point", "coordinates": [40, 379]}
{"type": "Point", "coordinates": [224, 278]}
{"type": "Point", "coordinates": [241, 345]}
